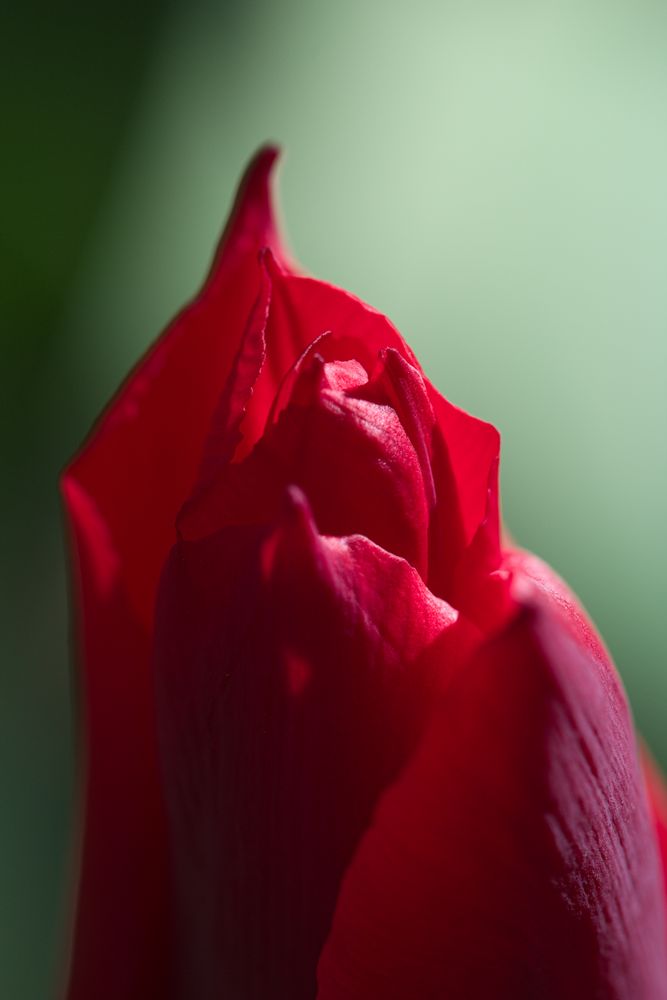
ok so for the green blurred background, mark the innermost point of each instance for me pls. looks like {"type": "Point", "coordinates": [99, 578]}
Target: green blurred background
{"type": "Point", "coordinates": [491, 175]}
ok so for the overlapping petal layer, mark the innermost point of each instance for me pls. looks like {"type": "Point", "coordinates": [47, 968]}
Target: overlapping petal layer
{"type": "Point", "coordinates": [293, 682]}
{"type": "Point", "coordinates": [514, 857]}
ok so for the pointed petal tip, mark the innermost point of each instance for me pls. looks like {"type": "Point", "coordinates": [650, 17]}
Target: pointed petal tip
{"type": "Point", "coordinates": [268, 153]}
{"type": "Point", "coordinates": [259, 171]}
{"type": "Point", "coordinates": [252, 222]}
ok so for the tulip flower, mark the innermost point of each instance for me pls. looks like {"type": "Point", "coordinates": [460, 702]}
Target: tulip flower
{"type": "Point", "coordinates": [340, 738]}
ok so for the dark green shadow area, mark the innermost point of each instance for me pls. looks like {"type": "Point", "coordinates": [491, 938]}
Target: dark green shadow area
{"type": "Point", "coordinates": [69, 78]}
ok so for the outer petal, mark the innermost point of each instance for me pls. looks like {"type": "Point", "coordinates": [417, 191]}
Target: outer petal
{"type": "Point", "coordinates": [292, 687]}
{"type": "Point", "coordinates": [122, 494]}
{"type": "Point", "coordinates": [141, 461]}
{"type": "Point", "coordinates": [514, 857]}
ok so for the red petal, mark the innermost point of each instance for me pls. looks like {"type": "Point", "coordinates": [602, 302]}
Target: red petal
{"type": "Point", "coordinates": [514, 857]}
{"type": "Point", "coordinates": [291, 690]}
{"type": "Point", "coordinates": [141, 461]}
{"type": "Point", "coordinates": [122, 493]}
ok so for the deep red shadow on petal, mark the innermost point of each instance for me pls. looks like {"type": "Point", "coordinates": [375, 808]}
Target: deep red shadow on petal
{"type": "Point", "coordinates": [291, 690]}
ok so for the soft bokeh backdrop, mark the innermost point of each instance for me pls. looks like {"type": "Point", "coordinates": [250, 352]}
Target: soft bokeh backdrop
{"type": "Point", "coordinates": [490, 175]}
